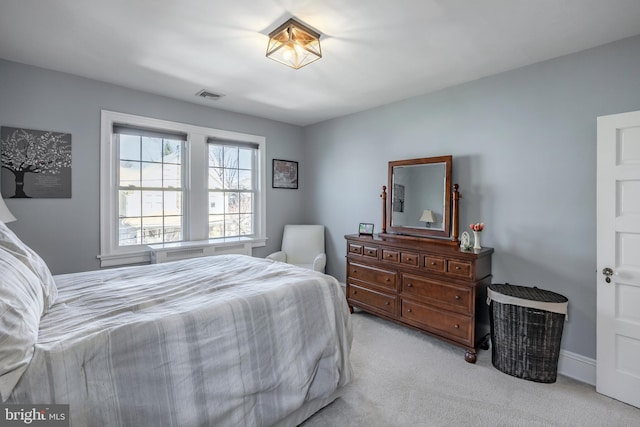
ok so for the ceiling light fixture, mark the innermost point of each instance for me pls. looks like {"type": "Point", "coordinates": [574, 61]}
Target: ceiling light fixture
{"type": "Point", "coordinates": [294, 44]}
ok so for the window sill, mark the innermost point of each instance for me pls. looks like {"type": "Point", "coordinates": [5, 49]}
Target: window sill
{"type": "Point", "coordinates": [158, 252]}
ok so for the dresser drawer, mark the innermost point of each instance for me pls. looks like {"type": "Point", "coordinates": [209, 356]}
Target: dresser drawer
{"type": "Point", "coordinates": [374, 275]}
{"type": "Point", "coordinates": [459, 268]}
{"type": "Point", "coordinates": [409, 259]}
{"type": "Point", "coordinates": [390, 255]}
{"type": "Point", "coordinates": [355, 249]}
{"type": "Point", "coordinates": [456, 298]}
{"type": "Point", "coordinates": [371, 251]}
{"type": "Point", "coordinates": [371, 298]}
{"type": "Point", "coordinates": [434, 264]}
{"type": "Point", "coordinates": [453, 325]}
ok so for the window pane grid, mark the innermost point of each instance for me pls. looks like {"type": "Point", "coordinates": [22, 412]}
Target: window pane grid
{"type": "Point", "coordinates": [150, 194]}
{"type": "Point", "coordinates": [231, 190]}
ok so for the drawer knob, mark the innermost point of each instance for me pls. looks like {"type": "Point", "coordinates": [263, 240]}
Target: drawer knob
{"type": "Point", "coordinates": [354, 271]}
{"type": "Point", "coordinates": [456, 326]}
{"type": "Point", "coordinates": [389, 256]}
{"type": "Point", "coordinates": [433, 263]}
{"type": "Point", "coordinates": [409, 285]}
{"type": "Point", "coordinates": [457, 267]}
{"type": "Point", "coordinates": [354, 292]}
{"type": "Point", "coordinates": [388, 279]}
{"type": "Point", "coordinates": [457, 296]}
{"type": "Point", "coordinates": [409, 259]}
{"type": "Point", "coordinates": [408, 310]}
{"type": "Point", "coordinates": [386, 303]}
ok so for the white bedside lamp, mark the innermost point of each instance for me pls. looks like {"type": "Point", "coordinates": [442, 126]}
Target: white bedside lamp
{"type": "Point", "coordinates": [428, 217]}
{"type": "Point", "coordinates": [5, 214]}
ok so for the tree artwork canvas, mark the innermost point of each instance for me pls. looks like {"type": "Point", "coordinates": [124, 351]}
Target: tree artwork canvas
{"type": "Point", "coordinates": [35, 164]}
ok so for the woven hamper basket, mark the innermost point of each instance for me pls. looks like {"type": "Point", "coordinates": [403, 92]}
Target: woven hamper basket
{"type": "Point", "coordinates": [526, 330]}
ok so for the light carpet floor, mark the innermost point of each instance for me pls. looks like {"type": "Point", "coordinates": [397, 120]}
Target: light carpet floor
{"type": "Point", "coordinates": [405, 378]}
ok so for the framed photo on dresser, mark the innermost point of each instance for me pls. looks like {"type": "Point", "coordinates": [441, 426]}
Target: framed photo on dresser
{"type": "Point", "coordinates": [365, 229]}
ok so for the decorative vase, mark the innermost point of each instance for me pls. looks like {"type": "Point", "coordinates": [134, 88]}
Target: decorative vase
{"type": "Point", "coordinates": [476, 240]}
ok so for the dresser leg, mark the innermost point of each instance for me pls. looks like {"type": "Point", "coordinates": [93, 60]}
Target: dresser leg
{"type": "Point", "coordinates": [351, 309]}
{"type": "Point", "coordinates": [470, 356]}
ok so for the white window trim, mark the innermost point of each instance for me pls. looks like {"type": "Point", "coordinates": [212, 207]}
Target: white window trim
{"type": "Point", "coordinates": [196, 146]}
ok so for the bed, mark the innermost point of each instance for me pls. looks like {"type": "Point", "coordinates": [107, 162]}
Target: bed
{"type": "Point", "coordinates": [228, 340]}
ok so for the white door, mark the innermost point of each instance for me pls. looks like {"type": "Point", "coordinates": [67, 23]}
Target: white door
{"type": "Point", "coordinates": [618, 241]}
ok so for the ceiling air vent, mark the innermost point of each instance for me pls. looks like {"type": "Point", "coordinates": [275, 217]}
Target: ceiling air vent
{"type": "Point", "coordinates": [209, 95]}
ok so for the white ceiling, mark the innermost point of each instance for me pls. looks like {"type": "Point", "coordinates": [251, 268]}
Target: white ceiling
{"type": "Point", "coordinates": [374, 51]}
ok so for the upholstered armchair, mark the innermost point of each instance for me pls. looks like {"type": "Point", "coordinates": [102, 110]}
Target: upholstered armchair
{"type": "Point", "coordinates": [302, 245]}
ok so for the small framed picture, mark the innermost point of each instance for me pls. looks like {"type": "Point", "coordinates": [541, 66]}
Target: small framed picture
{"type": "Point", "coordinates": [285, 174]}
{"type": "Point", "coordinates": [365, 228]}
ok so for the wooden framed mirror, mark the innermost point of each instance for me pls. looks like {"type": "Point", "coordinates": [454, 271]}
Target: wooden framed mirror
{"type": "Point", "coordinates": [421, 200]}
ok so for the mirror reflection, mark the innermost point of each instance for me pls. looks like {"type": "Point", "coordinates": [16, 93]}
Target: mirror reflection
{"type": "Point", "coordinates": [418, 196]}
{"type": "Point", "coordinates": [420, 199]}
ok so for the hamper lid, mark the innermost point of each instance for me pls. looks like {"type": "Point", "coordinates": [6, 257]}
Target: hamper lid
{"type": "Point", "coordinates": [527, 297]}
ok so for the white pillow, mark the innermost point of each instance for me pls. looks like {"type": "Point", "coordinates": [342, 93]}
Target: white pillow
{"type": "Point", "coordinates": [21, 306]}
{"type": "Point", "coordinates": [11, 243]}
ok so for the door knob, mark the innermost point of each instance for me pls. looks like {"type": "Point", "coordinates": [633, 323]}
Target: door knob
{"type": "Point", "coordinates": [608, 273]}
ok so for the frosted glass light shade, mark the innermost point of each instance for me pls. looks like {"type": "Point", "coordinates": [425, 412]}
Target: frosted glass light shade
{"type": "Point", "coordinates": [5, 214]}
{"type": "Point", "coordinates": [294, 44]}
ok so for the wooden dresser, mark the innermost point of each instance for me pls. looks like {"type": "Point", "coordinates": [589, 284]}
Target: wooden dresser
{"type": "Point", "coordinates": [434, 287]}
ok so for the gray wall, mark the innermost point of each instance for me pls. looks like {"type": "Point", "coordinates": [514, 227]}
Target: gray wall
{"type": "Point", "coordinates": [524, 147]}
{"type": "Point", "coordinates": [524, 153]}
{"type": "Point", "coordinates": [65, 232]}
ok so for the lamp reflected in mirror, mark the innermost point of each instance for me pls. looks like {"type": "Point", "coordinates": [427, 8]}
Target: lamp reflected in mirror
{"type": "Point", "coordinates": [427, 217]}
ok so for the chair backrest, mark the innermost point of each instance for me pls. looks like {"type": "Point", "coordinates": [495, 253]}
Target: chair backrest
{"type": "Point", "coordinates": [303, 243]}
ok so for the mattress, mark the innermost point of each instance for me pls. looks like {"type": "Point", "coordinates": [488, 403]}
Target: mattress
{"type": "Point", "coordinates": [228, 340]}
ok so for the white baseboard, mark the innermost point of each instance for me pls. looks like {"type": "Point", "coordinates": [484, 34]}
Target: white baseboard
{"type": "Point", "coordinates": [578, 367]}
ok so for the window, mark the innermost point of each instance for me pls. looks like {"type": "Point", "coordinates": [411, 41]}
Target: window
{"type": "Point", "coordinates": [232, 188]}
{"type": "Point", "coordinates": [150, 190]}
{"type": "Point", "coordinates": [168, 182]}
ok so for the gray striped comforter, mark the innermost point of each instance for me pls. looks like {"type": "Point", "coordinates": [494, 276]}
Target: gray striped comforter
{"type": "Point", "coordinates": [217, 341]}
